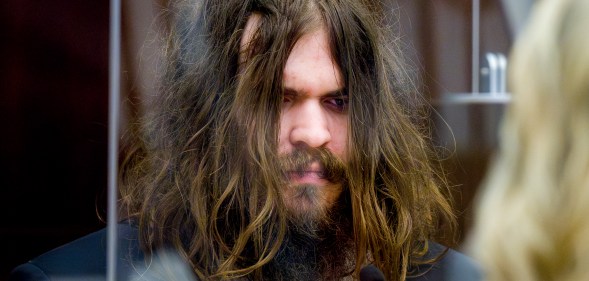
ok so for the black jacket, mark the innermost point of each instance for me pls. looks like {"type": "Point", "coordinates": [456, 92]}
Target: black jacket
{"type": "Point", "coordinates": [85, 259]}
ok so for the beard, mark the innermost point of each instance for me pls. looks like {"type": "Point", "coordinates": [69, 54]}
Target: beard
{"type": "Point", "coordinates": [319, 243]}
{"type": "Point", "coordinates": [316, 250]}
{"type": "Point", "coordinates": [308, 204]}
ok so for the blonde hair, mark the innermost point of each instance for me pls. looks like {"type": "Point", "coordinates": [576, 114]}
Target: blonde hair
{"type": "Point", "coordinates": [532, 220]}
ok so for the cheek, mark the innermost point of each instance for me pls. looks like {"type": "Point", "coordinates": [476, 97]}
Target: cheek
{"type": "Point", "coordinates": [340, 138]}
{"type": "Point", "coordinates": [283, 137]}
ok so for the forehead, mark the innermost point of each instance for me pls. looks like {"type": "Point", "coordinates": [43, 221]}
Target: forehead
{"type": "Point", "coordinates": [310, 67]}
{"type": "Point", "coordinates": [310, 54]}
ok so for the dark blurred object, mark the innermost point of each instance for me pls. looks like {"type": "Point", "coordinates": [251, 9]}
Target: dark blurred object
{"type": "Point", "coordinates": [53, 114]}
{"type": "Point", "coordinates": [371, 273]}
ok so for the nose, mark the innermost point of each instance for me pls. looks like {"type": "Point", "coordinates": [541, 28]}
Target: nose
{"type": "Point", "coordinates": [309, 125]}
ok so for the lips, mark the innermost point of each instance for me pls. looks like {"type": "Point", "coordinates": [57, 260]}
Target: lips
{"type": "Point", "coordinates": [314, 174]}
{"type": "Point", "coordinates": [316, 166]}
{"type": "Point", "coordinates": [303, 174]}
{"type": "Point", "coordinates": [307, 177]}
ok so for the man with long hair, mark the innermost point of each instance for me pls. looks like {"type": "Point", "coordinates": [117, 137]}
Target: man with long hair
{"type": "Point", "coordinates": [287, 144]}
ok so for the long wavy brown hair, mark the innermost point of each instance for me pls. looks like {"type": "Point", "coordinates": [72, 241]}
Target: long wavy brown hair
{"type": "Point", "coordinates": [203, 174]}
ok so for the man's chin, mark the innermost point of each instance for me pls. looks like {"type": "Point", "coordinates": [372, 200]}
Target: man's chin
{"type": "Point", "coordinates": [306, 208]}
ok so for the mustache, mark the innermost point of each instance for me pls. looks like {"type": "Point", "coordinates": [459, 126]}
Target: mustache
{"type": "Point", "coordinates": [334, 169]}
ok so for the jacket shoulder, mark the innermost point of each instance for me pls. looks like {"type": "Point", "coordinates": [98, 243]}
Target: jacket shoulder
{"type": "Point", "coordinates": [83, 259]}
{"type": "Point", "coordinates": [452, 266]}
{"type": "Point", "coordinates": [28, 272]}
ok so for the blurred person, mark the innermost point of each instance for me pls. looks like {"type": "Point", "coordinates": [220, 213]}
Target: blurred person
{"type": "Point", "coordinates": [287, 143]}
{"type": "Point", "coordinates": [532, 221]}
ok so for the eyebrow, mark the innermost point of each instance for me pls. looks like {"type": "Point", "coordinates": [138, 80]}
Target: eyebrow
{"type": "Point", "coordinates": [337, 93]}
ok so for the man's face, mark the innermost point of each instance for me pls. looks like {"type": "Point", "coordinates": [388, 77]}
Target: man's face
{"type": "Point", "coordinates": [314, 117]}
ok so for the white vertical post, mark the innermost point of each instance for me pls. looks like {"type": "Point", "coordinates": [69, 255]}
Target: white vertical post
{"type": "Point", "coordinates": [476, 19]}
{"type": "Point", "coordinates": [113, 136]}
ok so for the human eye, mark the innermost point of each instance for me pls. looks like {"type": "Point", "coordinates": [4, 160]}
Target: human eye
{"type": "Point", "coordinates": [288, 97]}
{"type": "Point", "coordinates": [338, 103]}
